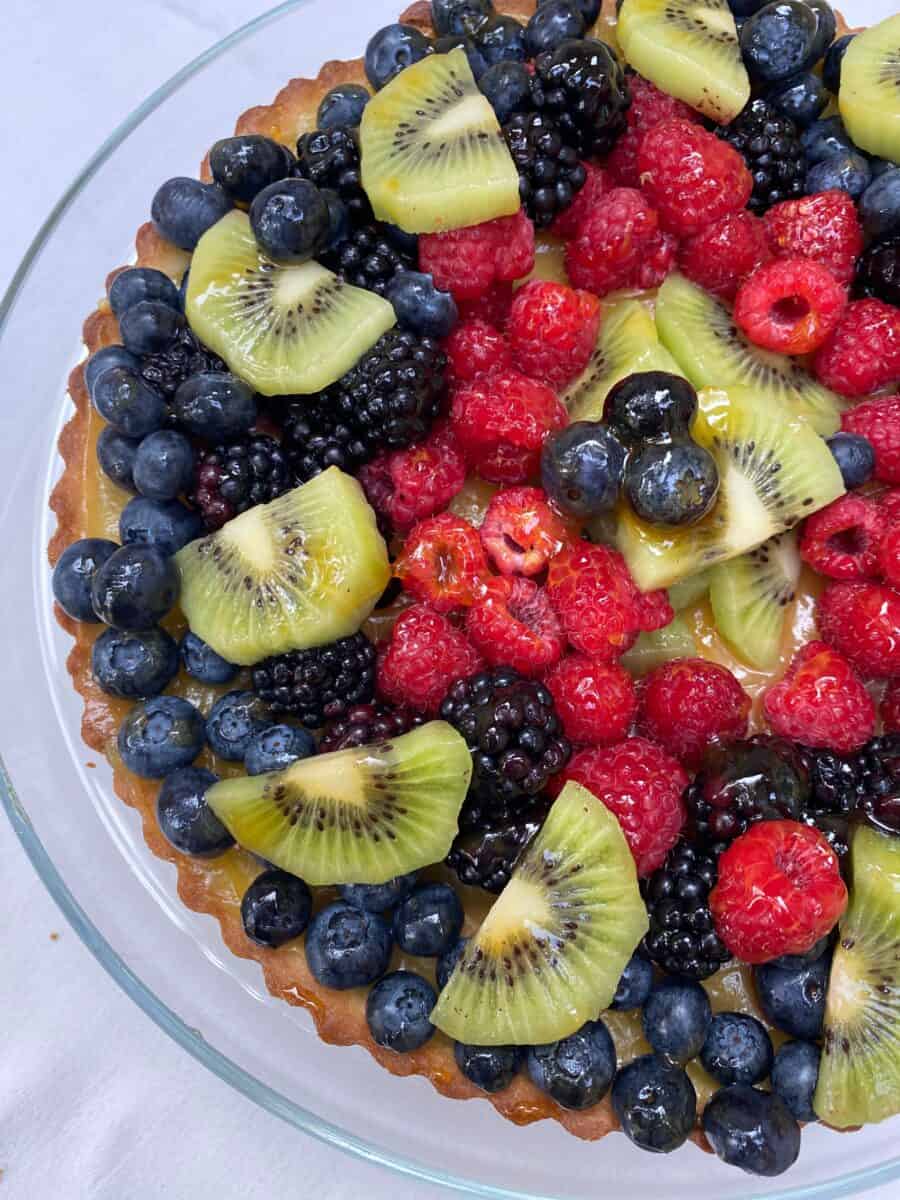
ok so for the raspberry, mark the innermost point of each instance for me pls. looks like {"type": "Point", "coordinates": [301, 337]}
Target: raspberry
{"type": "Point", "coordinates": [879, 421]}
{"type": "Point", "coordinates": [656, 610]}
{"type": "Point", "coordinates": [513, 624]}
{"type": "Point", "coordinates": [611, 241]}
{"type": "Point", "coordinates": [862, 622]}
{"type": "Point", "coordinates": [779, 891]}
{"type": "Point", "coordinates": [889, 556]}
{"type": "Point", "coordinates": [468, 261]}
{"type": "Point", "coordinates": [406, 486]}
{"type": "Point", "coordinates": [596, 182]}
{"type": "Point", "coordinates": [790, 306]}
{"type": "Point", "coordinates": [475, 348]}
{"type": "Point", "coordinates": [821, 702]}
{"type": "Point", "coordinates": [723, 254]}
{"type": "Point", "coordinates": [823, 227]}
{"type": "Point", "coordinates": [842, 539]}
{"type": "Point", "coordinates": [863, 352]}
{"type": "Point", "coordinates": [443, 563]}
{"type": "Point", "coordinates": [641, 785]}
{"type": "Point", "coordinates": [424, 656]}
{"type": "Point", "coordinates": [688, 703]}
{"type": "Point", "coordinates": [649, 107]}
{"type": "Point", "coordinates": [552, 331]}
{"type": "Point", "coordinates": [656, 262]}
{"type": "Point", "coordinates": [690, 176]}
{"type": "Point", "coordinates": [596, 599]}
{"type": "Point", "coordinates": [522, 532]}
{"type": "Point", "coordinates": [501, 423]}
{"type": "Point", "coordinates": [492, 307]}
{"type": "Point", "coordinates": [890, 707]}
{"type": "Point", "coordinates": [890, 501]}
{"type": "Point", "coordinates": [596, 702]}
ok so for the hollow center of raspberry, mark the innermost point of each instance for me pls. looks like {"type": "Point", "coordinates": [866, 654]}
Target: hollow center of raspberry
{"type": "Point", "coordinates": [853, 541]}
{"type": "Point", "coordinates": [789, 310]}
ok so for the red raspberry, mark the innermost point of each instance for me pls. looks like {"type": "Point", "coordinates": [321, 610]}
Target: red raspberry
{"type": "Point", "coordinates": [722, 255]}
{"type": "Point", "coordinates": [862, 622]}
{"type": "Point", "coordinates": [467, 261]}
{"type": "Point", "coordinates": [779, 891]}
{"type": "Point", "coordinates": [592, 591]}
{"type": "Point", "coordinates": [642, 785]}
{"type": "Point", "coordinates": [492, 307]}
{"type": "Point", "coordinates": [501, 422]}
{"type": "Point", "coordinates": [552, 330]}
{"type": "Point", "coordinates": [689, 703]}
{"type": "Point", "coordinates": [890, 707]}
{"type": "Point", "coordinates": [889, 501]}
{"type": "Point", "coordinates": [889, 556]}
{"type": "Point", "coordinates": [596, 702]}
{"type": "Point", "coordinates": [656, 610]}
{"type": "Point", "coordinates": [863, 352]}
{"type": "Point", "coordinates": [475, 348]}
{"type": "Point", "coordinates": [443, 562]}
{"type": "Point", "coordinates": [790, 306]}
{"type": "Point", "coordinates": [823, 227]}
{"type": "Point", "coordinates": [521, 532]}
{"type": "Point", "coordinates": [514, 625]}
{"type": "Point", "coordinates": [879, 421]}
{"type": "Point", "coordinates": [649, 107]}
{"type": "Point", "coordinates": [821, 702]}
{"type": "Point", "coordinates": [842, 539]}
{"type": "Point", "coordinates": [424, 656]}
{"type": "Point", "coordinates": [611, 241]}
{"type": "Point", "coordinates": [657, 261]}
{"type": "Point", "coordinates": [409, 485]}
{"type": "Point", "coordinates": [690, 176]}
{"type": "Point", "coordinates": [566, 225]}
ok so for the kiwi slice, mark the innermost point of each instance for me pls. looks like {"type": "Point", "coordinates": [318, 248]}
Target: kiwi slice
{"type": "Point", "coordinates": [286, 330]}
{"type": "Point", "coordinates": [774, 469]}
{"type": "Point", "coordinates": [690, 49]}
{"type": "Point", "coordinates": [869, 95]}
{"type": "Point", "coordinates": [750, 596]}
{"type": "Point", "coordinates": [301, 571]}
{"type": "Point", "coordinates": [550, 952]}
{"type": "Point", "coordinates": [859, 1074]}
{"type": "Point", "coordinates": [712, 352]}
{"type": "Point", "coordinates": [433, 154]}
{"type": "Point", "coordinates": [688, 592]}
{"type": "Point", "coordinates": [675, 640]}
{"type": "Point", "coordinates": [355, 816]}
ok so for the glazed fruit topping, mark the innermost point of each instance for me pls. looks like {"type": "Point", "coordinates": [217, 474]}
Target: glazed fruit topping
{"type": "Point", "coordinates": [522, 532]}
{"type": "Point", "coordinates": [443, 563]}
{"type": "Point", "coordinates": [513, 623]}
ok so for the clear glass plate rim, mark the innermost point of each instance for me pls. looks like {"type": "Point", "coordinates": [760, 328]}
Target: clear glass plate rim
{"type": "Point", "coordinates": [163, 1016]}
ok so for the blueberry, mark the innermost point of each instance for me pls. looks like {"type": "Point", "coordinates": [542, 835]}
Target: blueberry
{"type": "Point", "coordinates": [134, 588]}
{"type": "Point", "coordinates": [507, 87]}
{"type": "Point", "coordinates": [752, 1130]}
{"type": "Point", "coordinates": [826, 26]}
{"type": "Point", "coordinates": [429, 920]}
{"type": "Point", "coordinates": [650, 404]}
{"type": "Point", "coordinates": [737, 1049]}
{"type": "Point", "coordinates": [844, 172]}
{"type": "Point", "coordinates": [801, 98]}
{"type": "Point", "coordinates": [277, 747]}
{"type": "Point", "coordinates": [420, 306]}
{"type": "Point", "coordinates": [458, 41]}
{"type": "Point", "coordinates": [879, 205]}
{"type": "Point", "coordinates": [342, 107]}
{"type": "Point", "coordinates": [102, 360]}
{"type": "Point", "coordinates": [676, 1018]}
{"type": "Point", "coordinates": [491, 1068]}
{"type": "Point", "coordinates": [878, 270]}
{"type": "Point", "coordinates": [168, 525]}
{"type": "Point", "coordinates": [655, 1102]}
{"type": "Point", "coordinates": [577, 1071]}
{"type": "Point", "coordinates": [448, 961]}
{"type": "Point", "coordinates": [290, 220]}
{"type": "Point", "coordinates": [214, 405]}
{"type": "Point", "coordinates": [672, 484]}
{"type": "Point", "coordinates": [135, 665]}
{"type": "Point", "coordinates": [137, 284]}
{"type": "Point", "coordinates": [501, 39]}
{"type": "Point", "coordinates": [183, 209]}
{"type": "Point", "coordinates": [589, 9]}
{"type": "Point", "coordinates": [825, 139]}
{"type": "Point", "coordinates": [582, 468]}
{"type": "Point", "coordinates": [160, 735]}
{"type": "Point", "coordinates": [346, 947]}
{"type": "Point", "coordinates": [878, 166]}
{"type": "Point", "coordinates": [634, 985]}
{"type": "Point", "coordinates": [130, 405]}
{"type": "Point", "coordinates": [163, 465]}
{"type": "Point", "coordinates": [378, 897]}
{"type": "Point", "coordinates": [745, 8]}
{"type": "Point", "coordinates": [185, 818]}
{"type": "Point", "coordinates": [780, 40]}
{"type": "Point", "coordinates": [552, 24]}
{"type": "Point", "coordinates": [245, 164]}
{"type": "Point", "coordinates": [232, 722]}
{"type": "Point", "coordinates": [831, 68]}
{"type": "Point", "coordinates": [792, 961]}
{"type": "Point", "coordinates": [116, 455]}
{"type": "Point", "coordinates": [397, 1011]}
{"type": "Point", "coordinates": [793, 999]}
{"type": "Point", "coordinates": [460, 16]}
{"type": "Point", "coordinates": [794, 1077]}
{"type": "Point", "coordinates": [275, 908]}
{"type": "Point", "coordinates": [340, 221]}
{"type": "Point", "coordinates": [73, 576]}
{"type": "Point", "coordinates": [393, 48]}
{"type": "Point", "coordinates": [855, 457]}
{"type": "Point", "coordinates": [202, 662]}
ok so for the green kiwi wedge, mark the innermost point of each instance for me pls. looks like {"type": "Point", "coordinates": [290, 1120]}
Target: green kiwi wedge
{"type": "Point", "coordinates": [711, 352]}
{"type": "Point", "coordinates": [690, 49]}
{"type": "Point", "coordinates": [675, 640]}
{"type": "Point", "coordinates": [355, 816]}
{"type": "Point", "coordinates": [774, 469]}
{"type": "Point", "coordinates": [859, 1073]}
{"type": "Point", "coordinates": [550, 952]}
{"type": "Point", "coordinates": [750, 596]}
{"type": "Point", "coordinates": [433, 154]}
{"type": "Point", "coordinates": [286, 330]}
{"type": "Point", "coordinates": [301, 571]}
{"type": "Point", "coordinates": [689, 592]}
{"type": "Point", "coordinates": [869, 96]}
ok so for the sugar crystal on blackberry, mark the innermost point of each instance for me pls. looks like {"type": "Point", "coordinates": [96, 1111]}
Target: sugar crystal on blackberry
{"type": "Point", "coordinates": [682, 938]}
{"type": "Point", "coordinates": [550, 175]}
{"type": "Point", "coordinates": [770, 145]}
{"type": "Point", "coordinates": [185, 356]}
{"type": "Point", "coordinates": [366, 724]}
{"type": "Point", "coordinates": [238, 475]}
{"type": "Point", "coordinates": [321, 683]}
{"type": "Point", "coordinates": [368, 259]}
{"type": "Point", "coordinates": [329, 158]}
{"type": "Point", "coordinates": [582, 87]}
{"type": "Point", "coordinates": [486, 857]}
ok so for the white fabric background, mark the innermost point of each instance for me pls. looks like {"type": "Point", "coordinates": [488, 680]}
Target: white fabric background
{"type": "Point", "coordinates": [96, 1103]}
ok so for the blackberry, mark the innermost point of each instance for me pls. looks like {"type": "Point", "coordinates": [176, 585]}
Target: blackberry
{"type": "Point", "coordinates": [770, 146]}
{"type": "Point", "coordinates": [319, 684]}
{"type": "Point", "coordinates": [581, 86]}
{"type": "Point", "coordinates": [364, 724]}
{"type": "Point", "coordinates": [486, 858]}
{"type": "Point", "coordinates": [315, 437]}
{"type": "Point", "coordinates": [550, 175]}
{"type": "Point", "coordinates": [367, 259]}
{"type": "Point", "coordinates": [329, 158]}
{"type": "Point", "coordinates": [184, 356]}
{"type": "Point", "coordinates": [511, 726]}
{"type": "Point", "coordinates": [238, 475]}
{"type": "Point", "coordinates": [682, 938]}
{"type": "Point", "coordinates": [843, 788]}
{"type": "Point", "coordinates": [878, 271]}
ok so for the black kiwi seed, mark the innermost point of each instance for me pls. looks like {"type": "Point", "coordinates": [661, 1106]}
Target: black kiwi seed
{"type": "Point", "coordinates": [686, 19]}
